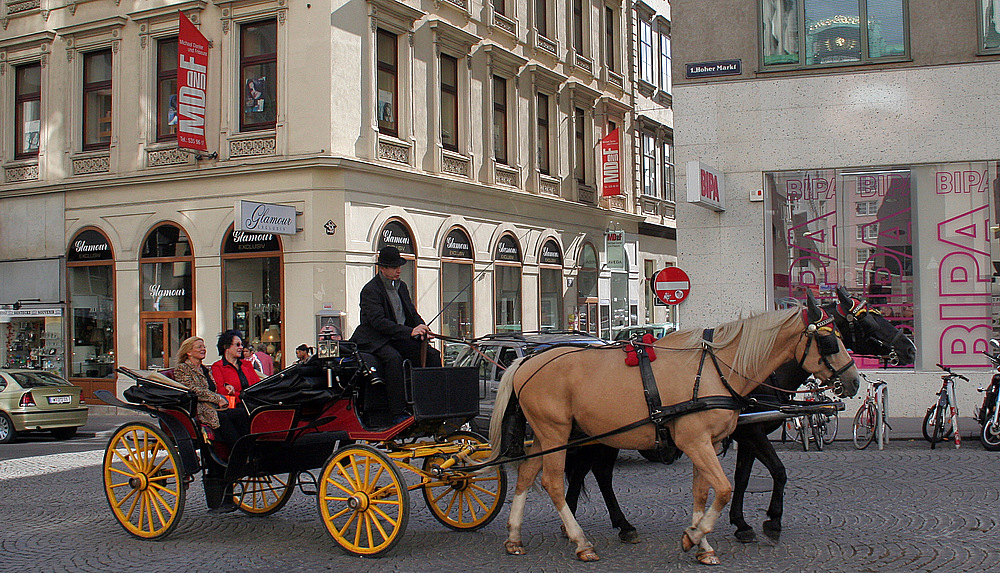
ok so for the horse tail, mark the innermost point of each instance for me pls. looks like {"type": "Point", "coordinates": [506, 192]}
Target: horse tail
{"type": "Point", "coordinates": [506, 411]}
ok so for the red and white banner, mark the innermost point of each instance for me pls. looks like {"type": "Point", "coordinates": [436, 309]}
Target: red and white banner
{"type": "Point", "coordinates": [610, 165]}
{"type": "Point", "coordinates": [192, 81]}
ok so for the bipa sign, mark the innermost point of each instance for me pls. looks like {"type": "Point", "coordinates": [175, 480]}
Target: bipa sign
{"type": "Point", "coordinates": [192, 81]}
{"type": "Point", "coordinates": [706, 186]}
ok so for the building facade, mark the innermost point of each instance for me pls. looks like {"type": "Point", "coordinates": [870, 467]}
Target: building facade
{"type": "Point", "coordinates": [858, 143]}
{"type": "Point", "coordinates": [466, 134]}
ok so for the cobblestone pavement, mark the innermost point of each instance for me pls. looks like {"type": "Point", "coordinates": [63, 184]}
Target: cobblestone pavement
{"type": "Point", "coordinates": [907, 508]}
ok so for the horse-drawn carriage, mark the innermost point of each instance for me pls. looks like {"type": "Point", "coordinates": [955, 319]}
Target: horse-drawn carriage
{"type": "Point", "coordinates": [310, 429]}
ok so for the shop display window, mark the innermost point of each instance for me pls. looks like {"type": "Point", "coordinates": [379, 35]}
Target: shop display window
{"type": "Point", "coordinates": [456, 289]}
{"type": "Point", "coordinates": [35, 342]}
{"type": "Point", "coordinates": [507, 285]}
{"type": "Point", "coordinates": [550, 292]}
{"type": "Point", "coordinates": [92, 321]}
{"type": "Point", "coordinates": [252, 290]}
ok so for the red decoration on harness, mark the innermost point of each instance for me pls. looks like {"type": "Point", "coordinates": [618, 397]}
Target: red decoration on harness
{"type": "Point", "coordinates": [632, 357]}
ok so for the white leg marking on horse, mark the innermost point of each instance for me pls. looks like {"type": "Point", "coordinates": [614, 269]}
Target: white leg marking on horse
{"type": "Point", "coordinates": [516, 516]}
{"type": "Point", "coordinates": [573, 529]}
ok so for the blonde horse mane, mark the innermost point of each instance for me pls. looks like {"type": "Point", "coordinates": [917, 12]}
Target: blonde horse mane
{"type": "Point", "coordinates": [756, 334]}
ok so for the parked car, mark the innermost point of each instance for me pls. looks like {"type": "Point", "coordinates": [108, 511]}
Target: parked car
{"type": "Point", "coordinates": [657, 330]}
{"type": "Point", "coordinates": [497, 351]}
{"type": "Point", "coordinates": [36, 400]}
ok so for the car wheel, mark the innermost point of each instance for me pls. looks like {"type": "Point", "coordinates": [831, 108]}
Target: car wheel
{"type": "Point", "coordinates": [64, 433]}
{"type": "Point", "coordinates": [7, 431]}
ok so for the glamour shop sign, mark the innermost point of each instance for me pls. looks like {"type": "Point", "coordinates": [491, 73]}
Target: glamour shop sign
{"type": "Point", "coordinates": [253, 217]}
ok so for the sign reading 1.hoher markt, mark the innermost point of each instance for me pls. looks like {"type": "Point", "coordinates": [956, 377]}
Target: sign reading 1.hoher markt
{"type": "Point", "coordinates": [254, 217]}
{"type": "Point", "coordinates": [188, 106]}
{"type": "Point", "coordinates": [712, 69]}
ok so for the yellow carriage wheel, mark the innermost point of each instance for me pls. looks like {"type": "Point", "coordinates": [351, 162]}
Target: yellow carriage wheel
{"type": "Point", "coordinates": [144, 480]}
{"type": "Point", "coordinates": [263, 495]}
{"type": "Point", "coordinates": [363, 500]}
{"type": "Point", "coordinates": [465, 501]}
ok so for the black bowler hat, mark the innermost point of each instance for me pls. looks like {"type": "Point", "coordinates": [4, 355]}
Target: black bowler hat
{"type": "Point", "coordinates": [389, 257]}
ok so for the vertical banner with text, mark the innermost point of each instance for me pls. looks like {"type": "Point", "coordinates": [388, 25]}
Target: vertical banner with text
{"type": "Point", "coordinates": [192, 82]}
{"type": "Point", "coordinates": [610, 165]}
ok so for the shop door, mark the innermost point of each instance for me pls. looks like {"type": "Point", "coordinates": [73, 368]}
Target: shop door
{"type": "Point", "coordinates": [161, 338]}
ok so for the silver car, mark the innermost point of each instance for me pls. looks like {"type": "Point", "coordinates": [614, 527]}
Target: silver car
{"type": "Point", "coordinates": [33, 400]}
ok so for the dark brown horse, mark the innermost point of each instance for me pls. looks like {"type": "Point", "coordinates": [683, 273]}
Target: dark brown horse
{"type": "Point", "coordinates": [865, 332]}
{"type": "Point", "coordinates": [565, 386]}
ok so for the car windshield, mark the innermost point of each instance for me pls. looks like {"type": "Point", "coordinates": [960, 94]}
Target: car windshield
{"type": "Point", "coordinates": [37, 379]}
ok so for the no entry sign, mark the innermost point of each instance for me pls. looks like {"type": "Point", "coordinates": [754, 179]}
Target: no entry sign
{"type": "Point", "coordinates": [671, 285]}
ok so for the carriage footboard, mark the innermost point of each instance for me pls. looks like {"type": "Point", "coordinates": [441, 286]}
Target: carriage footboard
{"type": "Point", "coordinates": [443, 392]}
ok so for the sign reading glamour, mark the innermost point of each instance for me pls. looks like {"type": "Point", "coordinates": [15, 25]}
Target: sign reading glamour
{"type": "Point", "coordinates": [254, 217]}
{"type": "Point", "coordinates": [192, 81]}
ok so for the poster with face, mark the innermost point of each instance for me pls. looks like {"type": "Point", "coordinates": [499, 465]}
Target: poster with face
{"type": "Point", "coordinates": [385, 106]}
{"type": "Point", "coordinates": [254, 96]}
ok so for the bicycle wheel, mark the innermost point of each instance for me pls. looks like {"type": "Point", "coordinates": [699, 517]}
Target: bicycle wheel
{"type": "Point", "coordinates": [927, 428]}
{"type": "Point", "coordinates": [830, 427]}
{"type": "Point", "coordinates": [938, 424]}
{"type": "Point", "coordinates": [792, 429]}
{"type": "Point", "coordinates": [817, 429]}
{"type": "Point", "coordinates": [990, 436]}
{"type": "Point", "coordinates": [864, 426]}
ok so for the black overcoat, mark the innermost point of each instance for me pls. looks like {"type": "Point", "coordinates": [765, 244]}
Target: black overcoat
{"type": "Point", "coordinates": [378, 325]}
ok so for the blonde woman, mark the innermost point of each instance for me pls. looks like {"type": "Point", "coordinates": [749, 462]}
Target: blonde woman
{"type": "Point", "coordinates": [191, 372]}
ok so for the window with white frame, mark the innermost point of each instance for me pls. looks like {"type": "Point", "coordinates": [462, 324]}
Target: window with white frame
{"type": "Point", "coordinates": [542, 112]}
{"type": "Point", "coordinates": [258, 75]}
{"type": "Point", "coordinates": [646, 63]}
{"type": "Point", "coordinates": [27, 109]}
{"type": "Point", "coordinates": [542, 17]}
{"type": "Point", "coordinates": [500, 7]}
{"type": "Point", "coordinates": [449, 102]}
{"type": "Point", "coordinates": [578, 26]}
{"type": "Point", "coordinates": [669, 190]}
{"type": "Point", "coordinates": [863, 208]}
{"type": "Point", "coordinates": [387, 80]}
{"type": "Point", "coordinates": [610, 55]}
{"type": "Point", "coordinates": [989, 25]}
{"type": "Point", "coordinates": [868, 232]}
{"type": "Point", "coordinates": [822, 32]}
{"type": "Point", "coordinates": [864, 254]}
{"type": "Point", "coordinates": [97, 70]}
{"type": "Point", "coordinates": [648, 141]}
{"type": "Point", "coordinates": [665, 74]}
{"type": "Point", "coordinates": [580, 145]}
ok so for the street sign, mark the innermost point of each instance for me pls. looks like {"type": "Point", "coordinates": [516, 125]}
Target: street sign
{"type": "Point", "coordinates": [671, 285]}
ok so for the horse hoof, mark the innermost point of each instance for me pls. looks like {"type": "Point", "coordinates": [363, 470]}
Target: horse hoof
{"type": "Point", "coordinates": [745, 535]}
{"type": "Point", "coordinates": [514, 548]}
{"type": "Point", "coordinates": [587, 554]}
{"type": "Point", "coordinates": [772, 530]}
{"type": "Point", "coordinates": [629, 535]}
{"type": "Point", "coordinates": [707, 558]}
{"type": "Point", "coordinates": [686, 543]}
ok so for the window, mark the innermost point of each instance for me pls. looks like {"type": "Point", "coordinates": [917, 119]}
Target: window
{"type": "Point", "coordinates": [251, 290]}
{"type": "Point", "coordinates": [500, 7]}
{"type": "Point", "coordinates": [648, 164]}
{"type": "Point", "coordinates": [27, 109]}
{"type": "Point", "coordinates": [457, 285]}
{"type": "Point", "coordinates": [665, 77]}
{"type": "Point", "coordinates": [90, 267]}
{"type": "Point", "coordinates": [387, 80]}
{"type": "Point", "coordinates": [581, 146]}
{"type": "Point", "coordinates": [550, 289]}
{"type": "Point", "coordinates": [507, 285]}
{"type": "Point", "coordinates": [866, 208]}
{"type": "Point", "coordinates": [646, 52]}
{"type": "Point", "coordinates": [449, 102]}
{"type": "Point", "coordinates": [989, 25]}
{"type": "Point", "coordinates": [543, 134]}
{"type": "Point", "coordinates": [166, 89]}
{"type": "Point", "coordinates": [542, 18]}
{"type": "Point", "coordinates": [259, 75]}
{"type": "Point", "coordinates": [868, 232]}
{"type": "Point", "coordinates": [863, 255]}
{"type": "Point", "coordinates": [820, 32]}
{"type": "Point", "coordinates": [166, 291]}
{"type": "Point", "coordinates": [609, 38]}
{"type": "Point", "coordinates": [97, 100]}
{"type": "Point", "coordinates": [669, 192]}
{"type": "Point", "coordinates": [500, 119]}
{"type": "Point", "coordinates": [578, 26]}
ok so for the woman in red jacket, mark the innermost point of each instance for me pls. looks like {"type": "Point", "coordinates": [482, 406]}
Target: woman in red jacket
{"type": "Point", "coordinates": [231, 373]}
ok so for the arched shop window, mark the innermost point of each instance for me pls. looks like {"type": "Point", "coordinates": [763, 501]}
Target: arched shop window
{"type": "Point", "coordinates": [586, 289]}
{"type": "Point", "coordinates": [507, 285]}
{"type": "Point", "coordinates": [90, 271]}
{"type": "Point", "coordinates": [550, 293]}
{"type": "Point", "coordinates": [166, 293]}
{"type": "Point", "coordinates": [395, 234]}
{"type": "Point", "coordinates": [252, 289]}
{"type": "Point", "coordinates": [456, 288]}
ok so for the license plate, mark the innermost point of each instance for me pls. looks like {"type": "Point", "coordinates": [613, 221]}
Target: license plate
{"type": "Point", "coordinates": [60, 399]}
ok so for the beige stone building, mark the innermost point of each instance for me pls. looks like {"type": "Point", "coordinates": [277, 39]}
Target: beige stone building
{"type": "Point", "coordinates": [467, 134]}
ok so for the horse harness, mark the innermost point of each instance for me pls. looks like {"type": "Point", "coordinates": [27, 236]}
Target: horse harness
{"type": "Point", "coordinates": [859, 318]}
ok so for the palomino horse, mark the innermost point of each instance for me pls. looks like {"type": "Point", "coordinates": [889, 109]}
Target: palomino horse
{"type": "Point", "coordinates": [563, 386]}
{"type": "Point", "coordinates": [865, 332]}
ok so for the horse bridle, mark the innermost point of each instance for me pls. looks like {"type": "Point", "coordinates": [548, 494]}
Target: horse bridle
{"type": "Point", "coordinates": [860, 314]}
{"type": "Point", "coordinates": [825, 334]}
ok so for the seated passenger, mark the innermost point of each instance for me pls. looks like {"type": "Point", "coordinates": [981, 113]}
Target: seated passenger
{"type": "Point", "coordinates": [391, 329]}
{"type": "Point", "coordinates": [191, 372]}
{"type": "Point", "coordinates": [302, 353]}
{"type": "Point", "coordinates": [232, 374]}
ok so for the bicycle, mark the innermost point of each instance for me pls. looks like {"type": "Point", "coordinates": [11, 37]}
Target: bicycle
{"type": "Point", "coordinates": [872, 420]}
{"type": "Point", "coordinates": [941, 421]}
{"type": "Point", "coordinates": [819, 428]}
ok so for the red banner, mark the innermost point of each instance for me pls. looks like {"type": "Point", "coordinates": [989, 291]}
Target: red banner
{"type": "Point", "coordinates": [610, 165]}
{"type": "Point", "coordinates": [192, 81]}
